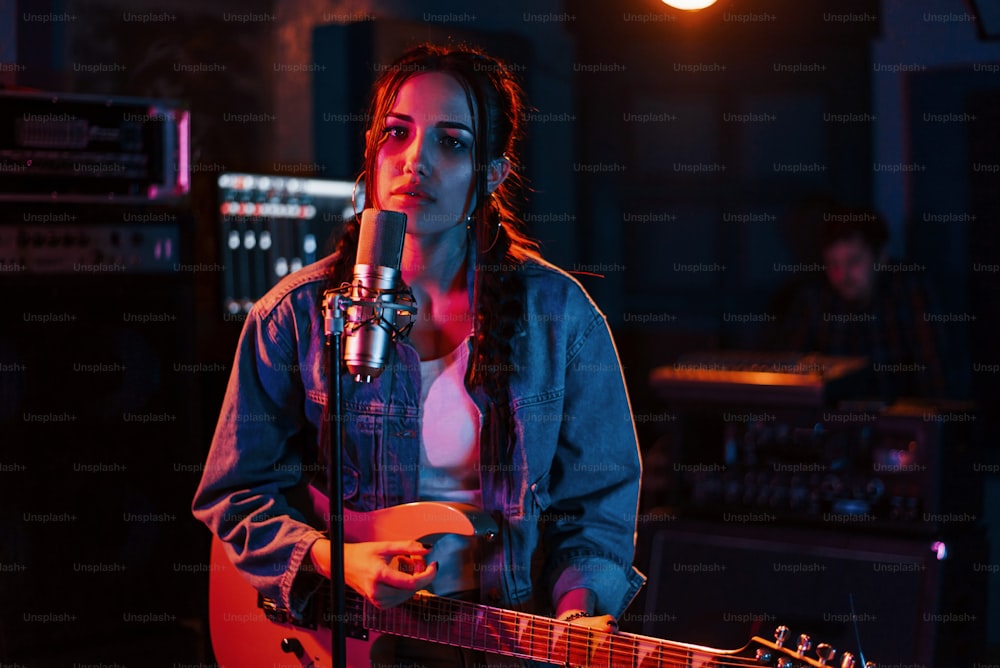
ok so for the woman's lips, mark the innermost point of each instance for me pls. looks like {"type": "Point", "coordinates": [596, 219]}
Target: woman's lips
{"type": "Point", "coordinates": [412, 196]}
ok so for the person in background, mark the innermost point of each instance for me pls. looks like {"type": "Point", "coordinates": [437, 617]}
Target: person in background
{"type": "Point", "coordinates": [865, 305]}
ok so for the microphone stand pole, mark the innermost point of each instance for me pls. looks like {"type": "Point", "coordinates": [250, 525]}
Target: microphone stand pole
{"type": "Point", "coordinates": [333, 319]}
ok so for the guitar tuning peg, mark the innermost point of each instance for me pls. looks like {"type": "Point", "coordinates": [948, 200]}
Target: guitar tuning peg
{"type": "Point", "coordinates": [805, 643]}
{"type": "Point", "coordinates": [847, 661]}
{"type": "Point", "coordinates": [870, 664]}
{"type": "Point", "coordinates": [825, 653]}
{"type": "Point", "coordinates": [780, 635]}
{"type": "Point", "coordinates": [764, 657]}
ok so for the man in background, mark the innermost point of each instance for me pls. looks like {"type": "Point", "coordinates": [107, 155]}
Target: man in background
{"type": "Point", "coordinates": [865, 305]}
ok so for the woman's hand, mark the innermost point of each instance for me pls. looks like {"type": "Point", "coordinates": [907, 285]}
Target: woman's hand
{"type": "Point", "coordinates": [599, 623]}
{"type": "Point", "coordinates": [386, 573]}
{"type": "Point", "coordinates": [574, 608]}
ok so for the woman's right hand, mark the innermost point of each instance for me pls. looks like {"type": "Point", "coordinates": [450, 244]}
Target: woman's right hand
{"type": "Point", "coordinates": [386, 573]}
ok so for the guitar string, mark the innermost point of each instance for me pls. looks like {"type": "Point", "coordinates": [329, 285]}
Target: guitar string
{"type": "Point", "coordinates": [509, 623]}
{"type": "Point", "coordinates": [484, 629]}
{"type": "Point", "coordinates": [631, 653]}
{"type": "Point", "coordinates": [498, 633]}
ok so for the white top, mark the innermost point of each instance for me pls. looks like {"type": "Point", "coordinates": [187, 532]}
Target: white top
{"type": "Point", "coordinates": [449, 461]}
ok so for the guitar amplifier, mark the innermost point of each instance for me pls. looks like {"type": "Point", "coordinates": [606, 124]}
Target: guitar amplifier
{"type": "Point", "coordinates": [99, 417]}
{"type": "Point", "coordinates": [914, 602]}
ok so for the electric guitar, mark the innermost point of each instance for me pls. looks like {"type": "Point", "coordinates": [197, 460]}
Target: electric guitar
{"type": "Point", "coordinates": [249, 631]}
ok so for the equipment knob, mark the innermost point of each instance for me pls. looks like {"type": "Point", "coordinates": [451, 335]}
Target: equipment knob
{"type": "Point", "coordinates": [847, 661]}
{"type": "Point", "coordinates": [805, 643]}
{"type": "Point", "coordinates": [825, 653]}
{"type": "Point", "coordinates": [785, 662]}
{"type": "Point", "coordinates": [780, 635]}
{"type": "Point", "coordinates": [764, 657]}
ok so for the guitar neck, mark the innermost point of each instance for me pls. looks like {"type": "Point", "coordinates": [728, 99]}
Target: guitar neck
{"type": "Point", "coordinates": [495, 630]}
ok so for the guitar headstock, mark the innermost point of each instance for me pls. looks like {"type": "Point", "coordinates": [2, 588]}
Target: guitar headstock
{"type": "Point", "coordinates": [775, 653]}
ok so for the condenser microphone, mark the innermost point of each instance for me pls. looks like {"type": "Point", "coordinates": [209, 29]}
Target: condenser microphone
{"type": "Point", "coordinates": [378, 296]}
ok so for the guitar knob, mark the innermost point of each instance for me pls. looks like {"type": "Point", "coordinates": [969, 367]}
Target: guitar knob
{"type": "Point", "coordinates": [780, 635]}
{"type": "Point", "coordinates": [805, 643]}
{"type": "Point", "coordinates": [870, 664]}
{"type": "Point", "coordinates": [847, 661]}
{"type": "Point", "coordinates": [292, 646]}
{"type": "Point", "coordinates": [825, 653]}
{"type": "Point", "coordinates": [785, 662]}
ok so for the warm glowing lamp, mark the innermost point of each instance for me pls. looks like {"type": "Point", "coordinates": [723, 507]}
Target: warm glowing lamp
{"type": "Point", "coordinates": [689, 4]}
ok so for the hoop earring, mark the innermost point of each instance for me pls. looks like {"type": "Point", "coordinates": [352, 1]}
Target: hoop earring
{"type": "Point", "coordinates": [354, 197]}
{"type": "Point", "coordinates": [496, 238]}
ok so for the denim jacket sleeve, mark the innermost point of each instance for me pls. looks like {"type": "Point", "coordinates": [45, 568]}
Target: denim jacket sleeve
{"type": "Point", "coordinates": [594, 477]}
{"type": "Point", "coordinates": [254, 461]}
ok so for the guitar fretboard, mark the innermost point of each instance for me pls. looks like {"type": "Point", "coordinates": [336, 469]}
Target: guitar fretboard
{"type": "Point", "coordinates": [510, 633]}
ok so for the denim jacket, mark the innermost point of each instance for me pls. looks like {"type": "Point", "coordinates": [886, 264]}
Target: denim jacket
{"type": "Point", "coordinates": [565, 497]}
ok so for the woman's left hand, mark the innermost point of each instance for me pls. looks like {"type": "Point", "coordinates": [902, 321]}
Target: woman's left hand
{"type": "Point", "coordinates": [599, 623]}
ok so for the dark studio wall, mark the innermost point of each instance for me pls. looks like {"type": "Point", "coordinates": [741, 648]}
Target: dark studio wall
{"type": "Point", "coordinates": [671, 157]}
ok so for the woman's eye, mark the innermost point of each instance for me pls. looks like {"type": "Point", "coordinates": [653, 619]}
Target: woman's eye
{"type": "Point", "coordinates": [395, 131]}
{"type": "Point", "coordinates": [453, 142]}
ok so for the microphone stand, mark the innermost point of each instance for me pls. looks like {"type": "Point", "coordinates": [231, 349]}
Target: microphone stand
{"type": "Point", "coordinates": [335, 305]}
{"type": "Point", "coordinates": [333, 324]}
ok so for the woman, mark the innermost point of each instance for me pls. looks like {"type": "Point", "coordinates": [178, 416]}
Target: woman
{"type": "Point", "coordinates": [507, 392]}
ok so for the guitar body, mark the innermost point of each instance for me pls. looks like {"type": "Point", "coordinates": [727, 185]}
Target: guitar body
{"type": "Point", "coordinates": [241, 632]}
{"type": "Point", "coordinates": [248, 632]}
{"type": "Point", "coordinates": [243, 636]}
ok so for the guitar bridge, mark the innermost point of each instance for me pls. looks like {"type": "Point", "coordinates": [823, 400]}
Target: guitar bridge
{"type": "Point", "coordinates": [317, 610]}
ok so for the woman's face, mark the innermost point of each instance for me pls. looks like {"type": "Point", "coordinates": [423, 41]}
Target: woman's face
{"type": "Point", "coordinates": [424, 166]}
